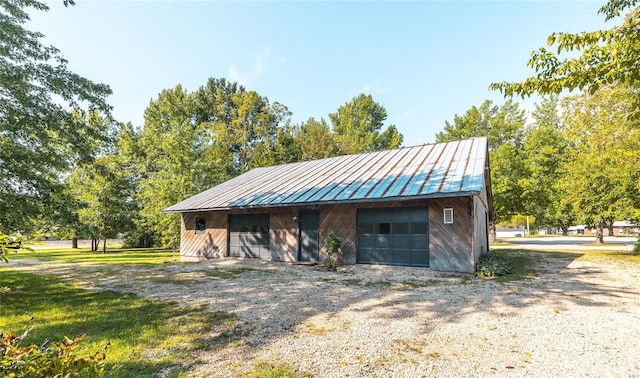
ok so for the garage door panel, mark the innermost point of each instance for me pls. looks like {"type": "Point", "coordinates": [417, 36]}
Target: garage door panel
{"type": "Point", "coordinates": [420, 242]}
{"type": "Point", "coordinates": [420, 259]}
{"type": "Point", "coordinates": [367, 255]}
{"type": "Point", "coordinates": [402, 257]}
{"type": "Point", "coordinates": [419, 215]}
{"type": "Point", "coordinates": [383, 216]}
{"type": "Point", "coordinates": [384, 254]}
{"type": "Point", "coordinates": [401, 242]}
{"type": "Point", "coordinates": [384, 241]}
{"type": "Point", "coordinates": [249, 236]}
{"type": "Point", "coordinates": [367, 241]}
{"type": "Point", "coordinates": [397, 236]}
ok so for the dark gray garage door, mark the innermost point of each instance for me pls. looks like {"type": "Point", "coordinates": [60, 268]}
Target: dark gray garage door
{"type": "Point", "coordinates": [249, 235]}
{"type": "Point", "coordinates": [397, 236]}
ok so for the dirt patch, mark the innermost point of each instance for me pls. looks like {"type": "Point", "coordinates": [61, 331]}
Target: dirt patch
{"type": "Point", "coordinates": [573, 319]}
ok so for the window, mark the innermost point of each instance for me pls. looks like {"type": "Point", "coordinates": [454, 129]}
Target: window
{"type": "Point", "coordinates": [448, 216]}
{"type": "Point", "coordinates": [201, 225]}
{"type": "Point", "coordinates": [384, 228]}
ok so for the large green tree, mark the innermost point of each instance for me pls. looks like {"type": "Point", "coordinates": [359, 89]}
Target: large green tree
{"type": "Point", "coordinates": [105, 194]}
{"type": "Point", "coordinates": [503, 126]}
{"type": "Point", "coordinates": [192, 141]}
{"type": "Point", "coordinates": [604, 57]}
{"type": "Point", "coordinates": [45, 118]}
{"type": "Point", "coordinates": [601, 175]}
{"type": "Point", "coordinates": [358, 126]}
{"type": "Point", "coordinates": [544, 153]}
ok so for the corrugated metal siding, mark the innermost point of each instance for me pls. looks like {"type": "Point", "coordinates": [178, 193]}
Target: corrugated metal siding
{"type": "Point", "coordinates": [430, 170]}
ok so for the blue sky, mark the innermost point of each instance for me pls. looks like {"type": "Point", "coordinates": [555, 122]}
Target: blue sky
{"type": "Point", "coordinates": [423, 61]}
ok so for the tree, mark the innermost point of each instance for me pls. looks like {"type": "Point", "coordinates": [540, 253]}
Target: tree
{"type": "Point", "coordinates": [317, 141]}
{"type": "Point", "coordinates": [503, 127]}
{"type": "Point", "coordinates": [605, 57]}
{"type": "Point", "coordinates": [601, 176]}
{"type": "Point", "coordinates": [192, 141]}
{"type": "Point", "coordinates": [499, 124]}
{"type": "Point", "coordinates": [357, 126]}
{"type": "Point", "coordinates": [106, 195]}
{"type": "Point", "coordinates": [45, 113]}
{"type": "Point", "coordinates": [544, 150]}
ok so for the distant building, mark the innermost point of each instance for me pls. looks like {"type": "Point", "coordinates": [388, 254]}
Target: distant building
{"type": "Point", "coordinates": [510, 232]}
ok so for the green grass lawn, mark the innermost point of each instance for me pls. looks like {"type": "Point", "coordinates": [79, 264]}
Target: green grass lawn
{"type": "Point", "coordinates": [137, 256]}
{"type": "Point", "coordinates": [145, 335]}
{"type": "Point", "coordinates": [522, 261]}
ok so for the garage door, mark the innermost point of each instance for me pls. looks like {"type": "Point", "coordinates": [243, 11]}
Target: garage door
{"type": "Point", "coordinates": [398, 236]}
{"type": "Point", "coordinates": [249, 236]}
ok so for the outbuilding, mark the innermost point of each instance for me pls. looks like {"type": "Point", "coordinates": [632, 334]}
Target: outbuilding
{"type": "Point", "coordinates": [424, 206]}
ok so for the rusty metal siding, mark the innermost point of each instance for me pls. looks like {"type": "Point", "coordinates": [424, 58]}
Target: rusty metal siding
{"type": "Point", "coordinates": [427, 171]}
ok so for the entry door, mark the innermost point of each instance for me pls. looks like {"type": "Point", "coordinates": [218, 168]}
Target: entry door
{"type": "Point", "coordinates": [308, 242]}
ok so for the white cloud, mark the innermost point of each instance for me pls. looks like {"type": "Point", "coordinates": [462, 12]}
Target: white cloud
{"type": "Point", "coordinates": [257, 69]}
{"type": "Point", "coordinates": [373, 88]}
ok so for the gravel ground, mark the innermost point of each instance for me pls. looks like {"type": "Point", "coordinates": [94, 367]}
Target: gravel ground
{"type": "Point", "coordinates": [576, 319]}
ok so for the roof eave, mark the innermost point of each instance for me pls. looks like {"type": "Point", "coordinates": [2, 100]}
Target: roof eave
{"type": "Point", "coordinates": [469, 193]}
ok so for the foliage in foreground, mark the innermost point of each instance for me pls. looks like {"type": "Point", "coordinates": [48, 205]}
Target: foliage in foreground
{"type": "Point", "coordinates": [145, 335]}
{"type": "Point", "coordinates": [11, 243]}
{"type": "Point", "coordinates": [587, 60]}
{"type": "Point", "coordinates": [47, 360]}
{"type": "Point", "coordinates": [492, 265]}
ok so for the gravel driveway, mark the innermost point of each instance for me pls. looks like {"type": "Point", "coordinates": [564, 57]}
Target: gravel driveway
{"type": "Point", "coordinates": [576, 318]}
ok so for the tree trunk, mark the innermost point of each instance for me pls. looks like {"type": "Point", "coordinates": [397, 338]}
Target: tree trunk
{"type": "Point", "coordinates": [74, 243]}
{"type": "Point", "coordinates": [104, 246]}
{"type": "Point", "coordinates": [565, 230]}
{"type": "Point", "coordinates": [610, 227]}
{"type": "Point", "coordinates": [600, 234]}
{"type": "Point", "coordinates": [94, 244]}
{"type": "Point", "coordinates": [492, 232]}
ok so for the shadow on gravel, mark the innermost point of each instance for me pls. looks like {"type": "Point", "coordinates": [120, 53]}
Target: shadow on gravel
{"type": "Point", "coordinates": [276, 299]}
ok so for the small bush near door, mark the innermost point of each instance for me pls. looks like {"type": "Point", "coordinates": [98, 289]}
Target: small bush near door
{"type": "Point", "coordinates": [330, 258]}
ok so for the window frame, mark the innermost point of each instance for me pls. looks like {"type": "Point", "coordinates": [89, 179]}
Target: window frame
{"type": "Point", "coordinates": [199, 230]}
{"type": "Point", "coordinates": [448, 215]}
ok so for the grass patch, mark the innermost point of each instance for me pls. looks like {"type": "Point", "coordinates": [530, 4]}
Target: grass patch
{"type": "Point", "coordinates": [265, 369]}
{"type": "Point", "coordinates": [120, 256]}
{"type": "Point", "coordinates": [594, 244]}
{"type": "Point", "coordinates": [500, 242]}
{"type": "Point", "coordinates": [609, 255]}
{"type": "Point", "coordinates": [521, 268]}
{"type": "Point", "coordinates": [145, 335]}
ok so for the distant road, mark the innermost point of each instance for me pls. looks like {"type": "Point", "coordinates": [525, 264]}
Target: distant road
{"type": "Point", "coordinates": [568, 242]}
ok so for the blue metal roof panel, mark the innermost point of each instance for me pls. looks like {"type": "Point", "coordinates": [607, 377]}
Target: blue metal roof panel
{"type": "Point", "coordinates": [431, 170]}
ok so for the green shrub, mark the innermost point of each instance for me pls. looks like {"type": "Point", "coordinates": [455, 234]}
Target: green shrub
{"type": "Point", "coordinates": [636, 248]}
{"type": "Point", "coordinates": [55, 360]}
{"type": "Point", "coordinates": [492, 265]}
{"type": "Point", "coordinates": [330, 258]}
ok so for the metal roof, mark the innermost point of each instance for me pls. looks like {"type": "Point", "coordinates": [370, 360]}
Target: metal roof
{"type": "Point", "coordinates": [427, 171]}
